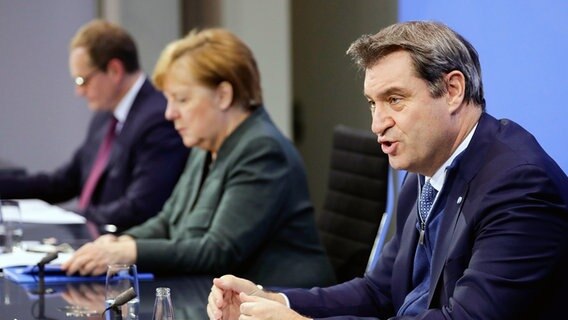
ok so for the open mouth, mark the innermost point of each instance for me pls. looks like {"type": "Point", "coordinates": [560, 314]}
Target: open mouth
{"type": "Point", "coordinates": [388, 147]}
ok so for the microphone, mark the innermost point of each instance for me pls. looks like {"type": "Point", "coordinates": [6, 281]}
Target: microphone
{"type": "Point", "coordinates": [123, 297]}
{"type": "Point", "coordinates": [48, 258]}
{"type": "Point", "coordinates": [41, 271]}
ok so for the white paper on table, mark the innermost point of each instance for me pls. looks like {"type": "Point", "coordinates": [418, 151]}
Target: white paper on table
{"type": "Point", "coordinates": [38, 211]}
{"type": "Point", "coordinates": [24, 258]}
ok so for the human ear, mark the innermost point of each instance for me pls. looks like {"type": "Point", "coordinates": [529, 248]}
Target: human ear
{"type": "Point", "coordinates": [224, 93]}
{"type": "Point", "coordinates": [115, 68]}
{"type": "Point", "coordinates": [455, 86]}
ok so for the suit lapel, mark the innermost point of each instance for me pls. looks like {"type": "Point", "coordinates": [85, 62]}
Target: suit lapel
{"type": "Point", "coordinates": [453, 223]}
{"type": "Point", "coordinates": [457, 182]}
{"type": "Point", "coordinates": [407, 247]}
{"type": "Point", "coordinates": [129, 125]}
{"type": "Point", "coordinates": [100, 136]}
{"type": "Point", "coordinates": [197, 159]}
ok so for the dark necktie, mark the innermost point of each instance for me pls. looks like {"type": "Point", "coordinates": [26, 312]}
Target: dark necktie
{"type": "Point", "coordinates": [98, 166]}
{"type": "Point", "coordinates": [426, 200]}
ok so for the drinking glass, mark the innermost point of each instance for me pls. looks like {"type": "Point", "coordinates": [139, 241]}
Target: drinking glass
{"type": "Point", "coordinates": [11, 231]}
{"type": "Point", "coordinates": [119, 278]}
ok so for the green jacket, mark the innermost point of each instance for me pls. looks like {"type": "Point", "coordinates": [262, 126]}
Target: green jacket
{"type": "Point", "coordinates": [252, 217]}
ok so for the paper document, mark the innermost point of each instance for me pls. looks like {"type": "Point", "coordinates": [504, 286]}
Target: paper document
{"type": "Point", "coordinates": [28, 258]}
{"type": "Point", "coordinates": [38, 211]}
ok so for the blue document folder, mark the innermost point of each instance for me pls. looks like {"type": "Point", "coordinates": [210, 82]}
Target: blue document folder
{"type": "Point", "coordinates": [54, 275]}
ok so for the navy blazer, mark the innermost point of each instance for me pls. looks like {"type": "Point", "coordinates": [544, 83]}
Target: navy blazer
{"type": "Point", "coordinates": [145, 163]}
{"type": "Point", "coordinates": [502, 247]}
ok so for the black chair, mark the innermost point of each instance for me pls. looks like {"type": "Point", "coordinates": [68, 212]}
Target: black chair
{"type": "Point", "coordinates": [8, 169]}
{"type": "Point", "coordinates": [355, 200]}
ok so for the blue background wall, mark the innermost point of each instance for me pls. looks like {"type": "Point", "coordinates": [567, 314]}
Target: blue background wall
{"type": "Point", "coordinates": [523, 48]}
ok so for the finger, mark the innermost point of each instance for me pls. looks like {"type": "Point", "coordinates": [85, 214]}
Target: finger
{"type": "Point", "coordinates": [73, 261]}
{"type": "Point", "coordinates": [248, 298]}
{"type": "Point", "coordinates": [73, 266]}
{"type": "Point", "coordinates": [86, 268]}
{"type": "Point", "coordinates": [212, 302]}
{"type": "Point", "coordinates": [217, 296]}
{"type": "Point", "coordinates": [66, 264]}
{"type": "Point", "coordinates": [100, 269]}
{"type": "Point", "coordinates": [247, 308]}
{"type": "Point", "coordinates": [213, 312]}
{"type": "Point", "coordinates": [230, 282]}
{"type": "Point", "coordinates": [91, 267]}
{"type": "Point", "coordinates": [244, 297]}
{"type": "Point", "coordinates": [222, 282]}
{"type": "Point", "coordinates": [212, 299]}
{"type": "Point", "coordinates": [216, 302]}
{"type": "Point", "coordinates": [210, 312]}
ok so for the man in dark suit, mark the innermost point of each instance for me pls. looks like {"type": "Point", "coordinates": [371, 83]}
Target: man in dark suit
{"type": "Point", "coordinates": [482, 219]}
{"type": "Point", "coordinates": [132, 156]}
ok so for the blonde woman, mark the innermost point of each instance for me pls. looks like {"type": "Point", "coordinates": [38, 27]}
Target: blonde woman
{"type": "Point", "coordinates": [242, 204]}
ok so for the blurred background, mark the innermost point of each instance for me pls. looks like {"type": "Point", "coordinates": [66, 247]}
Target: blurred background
{"type": "Point", "coordinates": [309, 83]}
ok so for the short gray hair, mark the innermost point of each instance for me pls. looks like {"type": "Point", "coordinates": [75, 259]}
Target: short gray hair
{"type": "Point", "coordinates": [435, 50]}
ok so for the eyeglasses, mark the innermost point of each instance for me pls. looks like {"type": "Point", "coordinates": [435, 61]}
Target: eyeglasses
{"type": "Point", "coordinates": [82, 81]}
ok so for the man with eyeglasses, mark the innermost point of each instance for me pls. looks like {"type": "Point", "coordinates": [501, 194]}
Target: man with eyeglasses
{"type": "Point", "coordinates": [131, 157]}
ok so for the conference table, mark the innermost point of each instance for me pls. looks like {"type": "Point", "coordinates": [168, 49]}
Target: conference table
{"type": "Point", "coordinates": [78, 300]}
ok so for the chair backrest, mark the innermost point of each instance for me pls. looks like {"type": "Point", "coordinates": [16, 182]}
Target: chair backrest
{"type": "Point", "coordinates": [355, 200]}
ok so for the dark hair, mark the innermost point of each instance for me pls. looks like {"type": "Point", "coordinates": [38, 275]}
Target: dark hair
{"type": "Point", "coordinates": [435, 50]}
{"type": "Point", "coordinates": [105, 41]}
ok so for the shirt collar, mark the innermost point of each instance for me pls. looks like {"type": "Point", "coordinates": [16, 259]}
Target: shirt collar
{"type": "Point", "coordinates": [123, 107]}
{"type": "Point", "coordinates": [437, 180]}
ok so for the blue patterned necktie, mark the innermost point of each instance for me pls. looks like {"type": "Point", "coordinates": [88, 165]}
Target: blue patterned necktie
{"type": "Point", "coordinates": [426, 200]}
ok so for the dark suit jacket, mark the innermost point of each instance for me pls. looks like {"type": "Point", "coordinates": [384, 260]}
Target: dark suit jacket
{"type": "Point", "coordinates": [502, 248]}
{"type": "Point", "coordinates": [145, 163]}
{"type": "Point", "coordinates": [251, 216]}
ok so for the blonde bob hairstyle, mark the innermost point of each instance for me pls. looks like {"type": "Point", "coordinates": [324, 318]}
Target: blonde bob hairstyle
{"type": "Point", "coordinates": [212, 56]}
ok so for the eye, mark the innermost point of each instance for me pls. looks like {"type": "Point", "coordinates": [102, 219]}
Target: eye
{"type": "Point", "coordinates": [180, 100]}
{"type": "Point", "coordinates": [372, 106]}
{"type": "Point", "coordinates": [394, 100]}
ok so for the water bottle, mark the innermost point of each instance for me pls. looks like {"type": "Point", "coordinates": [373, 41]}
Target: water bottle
{"type": "Point", "coordinates": [163, 308]}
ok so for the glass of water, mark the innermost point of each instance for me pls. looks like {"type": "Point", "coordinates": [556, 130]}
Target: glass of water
{"type": "Point", "coordinates": [120, 278]}
{"type": "Point", "coordinates": [11, 231]}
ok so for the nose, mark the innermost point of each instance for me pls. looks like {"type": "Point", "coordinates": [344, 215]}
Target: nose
{"type": "Point", "coordinates": [381, 121]}
{"type": "Point", "coordinates": [171, 112]}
